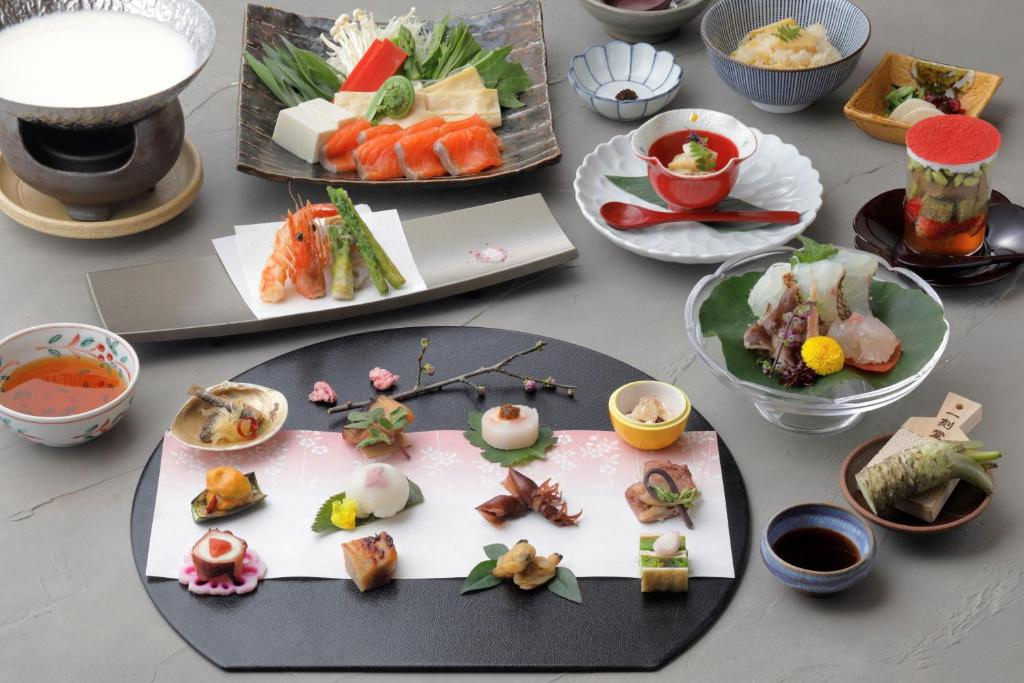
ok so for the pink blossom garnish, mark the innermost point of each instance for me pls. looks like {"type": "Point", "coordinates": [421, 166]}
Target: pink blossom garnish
{"type": "Point", "coordinates": [490, 254]}
{"type": "Point", "coordinates": [253, 569]}
{"type": "Point", "coordinates": [323, 393]}
{"type": "Point", "coordinates": [530, 385]}
{"type": "Point", "coordinates": [382, 379]}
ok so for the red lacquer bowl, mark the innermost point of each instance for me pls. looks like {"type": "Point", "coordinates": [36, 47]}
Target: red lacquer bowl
{"type": "Point", "coordinates": [684, 193]}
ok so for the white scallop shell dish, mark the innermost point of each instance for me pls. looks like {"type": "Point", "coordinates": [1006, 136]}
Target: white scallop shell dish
{"type": "Point", "coordinates": [604, 71]}
{"type": "Point", "coordinates": [776, 177]}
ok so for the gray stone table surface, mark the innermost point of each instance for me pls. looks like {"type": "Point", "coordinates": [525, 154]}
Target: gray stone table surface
{"type": "Point", "coordinates": [946, 608]}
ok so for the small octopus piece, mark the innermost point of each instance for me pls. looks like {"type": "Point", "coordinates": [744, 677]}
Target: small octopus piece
{"type": "Point", "coordinates": [323, 393]}
{"type": "Point", "coordinates": [382, 379]}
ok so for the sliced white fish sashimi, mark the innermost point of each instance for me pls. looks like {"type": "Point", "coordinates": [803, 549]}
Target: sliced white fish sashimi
{"type": "Point", "coordinates": [860, 269]}
{"type": "Point", "coordinates": [820, 281]}
{"type": "Point", "coordinates": [767, 292]}
{"type": "Point", "coordinates": [864, 338]}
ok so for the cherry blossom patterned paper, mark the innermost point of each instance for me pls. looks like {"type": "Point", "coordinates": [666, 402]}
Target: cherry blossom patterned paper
{"type": "Point", "coordinates": [444, 536]}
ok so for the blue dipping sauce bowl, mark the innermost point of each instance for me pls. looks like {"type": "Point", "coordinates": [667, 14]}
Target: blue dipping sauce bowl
{"type": "Point", "coordinates": [818, 515]}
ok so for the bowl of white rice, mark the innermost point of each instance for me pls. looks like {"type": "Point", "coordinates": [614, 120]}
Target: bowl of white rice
{"type": "Point", "coordinates": [784, 55]}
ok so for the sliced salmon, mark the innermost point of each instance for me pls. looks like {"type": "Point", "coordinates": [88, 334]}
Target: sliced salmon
{"type": "Point", "coordinates": [337, 153]}
{"type": "Point", "coordinates": [416, 151]}
{"type": "Point", "coordinates": [468, 151]}
{"type": "Point", "coordinates": [377, 159]}
{"type": "Point", "coordinates": [377, 131]}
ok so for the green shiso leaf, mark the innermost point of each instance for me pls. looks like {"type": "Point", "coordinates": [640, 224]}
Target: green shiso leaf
{"type": "Point", "coordinates": [565, 585]}
{"type": "Point", "coordinates": [495, 550]}
{"type": "Point", "coordinates": [912, 315]}
{"type": "Point", "coordinates": [480, 577]}
{"type": "Point", "coordinates": [812, 251]}
{"type": "Point", "coordinates": [640, 187]}
{"type": "Point", "coordinates": [322, 523]}
{"type": "Point", "coordinates": [513, 458]}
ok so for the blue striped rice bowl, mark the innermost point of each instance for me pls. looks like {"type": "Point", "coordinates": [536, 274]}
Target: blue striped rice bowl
{"type": "Point", "coordinates": [603, 71]}
{"type": "Point", "coordinates": [777, 90]}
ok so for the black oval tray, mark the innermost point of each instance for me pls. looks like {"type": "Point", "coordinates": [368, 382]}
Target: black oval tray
{"type": "Point", "coordinates": [425, 625]}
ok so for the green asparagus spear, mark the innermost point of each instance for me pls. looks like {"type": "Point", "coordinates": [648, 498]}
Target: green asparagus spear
{"type": "Point", "coordinates": [348, 213]}
{"type": "Point", "coordinates": [918, 469]}
{"type": "Point", "coordinates": [366, 251]}
{"type": "Point", "coordinates": [343, 285]}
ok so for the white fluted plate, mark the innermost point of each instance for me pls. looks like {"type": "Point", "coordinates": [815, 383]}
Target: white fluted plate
{"type": "Point", "coordinates": [777, 177]}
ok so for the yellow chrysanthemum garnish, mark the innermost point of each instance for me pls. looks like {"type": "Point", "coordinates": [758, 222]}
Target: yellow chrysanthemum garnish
{"type": "Point", "coordinates": [824, 355]}
{"type": "Point", "coordinates": [343, 513]}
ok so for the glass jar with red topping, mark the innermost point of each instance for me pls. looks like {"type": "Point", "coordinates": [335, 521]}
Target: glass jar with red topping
{"type": "Point", "coordinates": [949, 183]}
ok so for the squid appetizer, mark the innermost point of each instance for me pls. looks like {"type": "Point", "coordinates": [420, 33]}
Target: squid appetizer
{"type": "Point", "coordinates": [527, 495]}
{"type": "Point", "coordinates": [666, 491]}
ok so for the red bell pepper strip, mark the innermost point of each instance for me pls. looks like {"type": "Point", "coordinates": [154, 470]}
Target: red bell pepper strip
{"type": "Point", "coordinates": [380, 62]}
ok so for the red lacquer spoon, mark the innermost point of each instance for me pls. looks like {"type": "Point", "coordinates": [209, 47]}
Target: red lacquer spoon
{"type": "Point", "coordinates": [623, 216]}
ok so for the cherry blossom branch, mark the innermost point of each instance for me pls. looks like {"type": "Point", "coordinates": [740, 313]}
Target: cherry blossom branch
{"type": "Point", "coordinates": [497, 368]}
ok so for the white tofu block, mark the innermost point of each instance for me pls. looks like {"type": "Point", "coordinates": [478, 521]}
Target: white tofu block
{"type": "Point", "coordinates": [303, 132]}
{"type": "Point", "coordinates": [329, 111]}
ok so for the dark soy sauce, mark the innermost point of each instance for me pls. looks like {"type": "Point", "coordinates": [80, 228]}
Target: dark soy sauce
{"type": "Point", "coordinates": [817, 549]}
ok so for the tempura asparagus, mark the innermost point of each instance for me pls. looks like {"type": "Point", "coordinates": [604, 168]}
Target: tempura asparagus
{"type": "Point", "coordinates": [343, 285]}
{"type": "Point", "coordinates": [918, 469]}
{"type": "Point", "coordinates": [352, 219]}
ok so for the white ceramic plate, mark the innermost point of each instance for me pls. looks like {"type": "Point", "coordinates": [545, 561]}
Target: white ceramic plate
{"type": "Point", "coordinates": [777, 177]}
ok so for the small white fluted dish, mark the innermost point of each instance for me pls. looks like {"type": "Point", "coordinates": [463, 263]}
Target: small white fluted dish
{"type": "Point", "coordinates": [603, 71]}
{"type": "Point", "coordinates": [776, 177]}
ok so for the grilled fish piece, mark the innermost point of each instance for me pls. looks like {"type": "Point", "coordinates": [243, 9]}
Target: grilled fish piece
{"type": "Point", "coordinates": [370, 561]}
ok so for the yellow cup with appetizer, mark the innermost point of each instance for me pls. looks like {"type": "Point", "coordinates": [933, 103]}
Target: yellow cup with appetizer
{"type": "Point", "coordinates": [648, 414]}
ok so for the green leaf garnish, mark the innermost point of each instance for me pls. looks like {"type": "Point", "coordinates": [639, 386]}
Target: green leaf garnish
{"type": "Point", "coordinates": [495, 550]}
{"type": "Point", "coordinates": [788, 32]}
{"type": "Point", "coordinates": [322, 523]}
{"type": "Point", "coordinates": [480, 578]}
{"type": "Point", "coordinates": [686, 497]}
{"type": "Point", "coordinates": [812, 251]}
{"type": "Point", "coordinates": [911, 314]}
{"type": "Point", "coordinates": [702, 156]}
{"type": "Point", "coordinates": [565, 585]}
{"type": "Point", "coordinates": [512, 458]}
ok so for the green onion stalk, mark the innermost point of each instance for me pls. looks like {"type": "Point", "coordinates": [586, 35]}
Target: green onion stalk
{"type": "Point", "coordinates": [343, 285]}
{"type": "Point", "coordinates": [921, 468]}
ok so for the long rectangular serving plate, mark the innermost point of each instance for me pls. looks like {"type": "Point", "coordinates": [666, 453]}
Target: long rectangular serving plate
{"type": "Point", "coordinates": [527, 133]}
{"type": "Point", "coordinates": [196, 298]}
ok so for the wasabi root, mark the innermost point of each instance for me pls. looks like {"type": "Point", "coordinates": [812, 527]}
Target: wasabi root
{"type": "Point", "coordinates": [916, 470]}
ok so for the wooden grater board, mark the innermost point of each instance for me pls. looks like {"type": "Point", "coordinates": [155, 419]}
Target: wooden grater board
{"type": "Point", "coordinates": [956, 417]}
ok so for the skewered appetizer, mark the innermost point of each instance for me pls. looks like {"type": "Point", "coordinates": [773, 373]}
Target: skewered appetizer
{"type": "Point", "coordinates": [227, 492]}
{"type": "Point", "coordinates": [664, 563]}
{"type": "Point", "coordinates": [370, 561]}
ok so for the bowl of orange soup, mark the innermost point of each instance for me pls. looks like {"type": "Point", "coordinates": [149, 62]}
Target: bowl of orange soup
{"type": "Point", "coordinates": [64, 384]}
